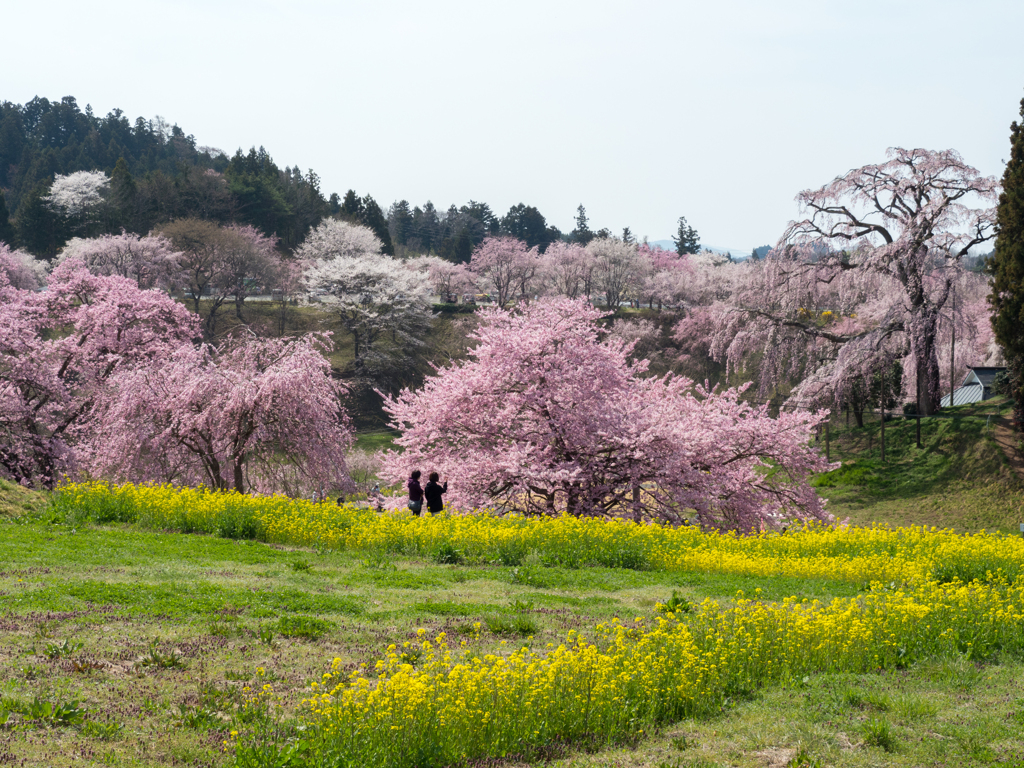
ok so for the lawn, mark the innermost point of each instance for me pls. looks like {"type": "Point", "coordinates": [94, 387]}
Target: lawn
{"type": "Point", "coordinates": [143, 643]}
{"type": "Point", "coordinates": [960, 478]}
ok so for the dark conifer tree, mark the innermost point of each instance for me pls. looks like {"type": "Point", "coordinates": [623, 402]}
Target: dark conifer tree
{"type": "Point", "coordinates": [373, 217]}
{"type": "Point", "coordinates": [687, 240]}
{"type": "Point", "coordinates": [123, 195]}
{"type": "Point", "coordinates": [582, 234]}
{"type": "Point", "coordinates": [352, 206]}
{"type": "Point", "coordinates": [6, 228]}
{"type": "Point", "coordinates": [1007, 268]}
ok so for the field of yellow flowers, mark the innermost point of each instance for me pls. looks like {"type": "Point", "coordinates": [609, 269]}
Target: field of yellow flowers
{"type": "Point", "coordinates": [437, 700]}
{"type": "Point", "coordinates": [849, 554]}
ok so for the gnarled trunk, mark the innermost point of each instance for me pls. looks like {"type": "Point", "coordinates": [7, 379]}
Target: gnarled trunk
{"type": "Point", "coordinates": [926, 360]}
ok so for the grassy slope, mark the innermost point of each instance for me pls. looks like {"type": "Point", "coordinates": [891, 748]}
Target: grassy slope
{"type": "Point", "coordinates": [135, 601]}
{"type": "Point", "coordinates": [16, 501]}
{"type": "Point", "coordinates": [960, 478]}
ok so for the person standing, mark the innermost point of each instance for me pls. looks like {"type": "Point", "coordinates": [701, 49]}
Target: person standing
{"type": "Point", "coordinates": [415, 493]}
{"type": "Point", "coordinates": [433, 493]}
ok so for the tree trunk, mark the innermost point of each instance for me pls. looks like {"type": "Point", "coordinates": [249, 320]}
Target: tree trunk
{"type": "Point", "coordinates": [926, 359]}
{"type": "Point", "coordinates": [637, 506]}
{"type": "Point", "coordinates": [858, 415]}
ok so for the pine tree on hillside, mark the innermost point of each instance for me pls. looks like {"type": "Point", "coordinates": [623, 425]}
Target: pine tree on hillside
{"type": "Point", "coordinates": [6, 228]}
{"type": "Point", "coordinates": [687, 240]}
{"type": "Point", "coordinates": [1007, 268]}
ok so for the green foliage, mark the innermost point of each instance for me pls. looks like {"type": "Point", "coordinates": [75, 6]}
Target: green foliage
{"type": "Point", "coordinates": [305, 627]}
{"type": "Point", "coordinates": [686, 238]}
{"type": "Point", "coordinates": [960, 478]}
{"type": "Point", "coordinates": [103, 731]}
{"type": "Point", "coordinates": [196, 718]}
{"type": "Point", "coordinates": [61, 650]}
{"type": "Point", "coordinates": [155, 658]}
{"type": "Point", "coordinates": [7, 234]}
{"type": "Point", "coordinates": [675, 604]}
{"type": "Point", "coordinates": [804, 759]}
{"type": "Point", "coordinates": [448, 554]}
{"type": "Point", "coordinates": [511, 625]}
{"type": "Point", "coordinates": [878, 733]}
{"type": "Point", "coordinates": [1007, 267]}
{"type": "Point", "coordinates": [44, 712]}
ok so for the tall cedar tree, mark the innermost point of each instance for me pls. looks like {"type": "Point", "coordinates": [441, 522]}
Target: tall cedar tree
{"type": "Point", "coordinates": [1007, 268]}
{"type": "Point", "coordinates": [6, 228]}
{"type": "Point", "coordinates": [687, 240]}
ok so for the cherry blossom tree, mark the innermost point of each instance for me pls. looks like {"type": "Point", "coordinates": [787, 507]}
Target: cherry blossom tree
{"type": "Point", "coordinates": [546, 416]}
{"type": "Point", "coordinates": [668, 276]}
{"type": "Point", "coordinates": [221, 264]}
{"type": "Point", "coordinates": [370, 293]}
{"type": "Point", "coordinates": [255, 415]}
{"type": "Point", "coordinates": [567, 270]}
{"type": "Point", "coordinates": [450, 280]}
{"type": "Point", "coordinates": [618, 269]}
{"type": "Point", "coordinates": [150, 260]}
{"type": "Point", "coordinates": [334, 238]}
{"type": "Point", "coordinates": [508, 265]}
{"type": "Point", "coordinates": [59, 349]}
{"type": "Point", "coordinates": [77, 194]}
{"type": "Point", "coordinates": [863, 280]}
{"type": "Point", "coordinates": [21, 270]}
{"type": "Point", "coordinates": [251, 264]}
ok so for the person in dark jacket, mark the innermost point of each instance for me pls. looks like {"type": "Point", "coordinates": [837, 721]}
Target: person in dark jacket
{"type": "Point", "coordinates": [415, 493]}
{"type": "Point", "coordinates": [433, 493]}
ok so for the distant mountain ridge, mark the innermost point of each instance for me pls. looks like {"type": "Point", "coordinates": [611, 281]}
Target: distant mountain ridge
{"type": "Point", "coordinates": [737, 253]}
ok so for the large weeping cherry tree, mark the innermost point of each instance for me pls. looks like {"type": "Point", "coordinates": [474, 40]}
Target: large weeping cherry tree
{"type": "Point", "coordinates": [866, 278]}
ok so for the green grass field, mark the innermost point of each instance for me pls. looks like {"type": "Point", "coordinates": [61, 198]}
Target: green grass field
{"type": "Point", "coordinates": [960, 478]}
{"type": "Point", "coordinates": [125, 647]}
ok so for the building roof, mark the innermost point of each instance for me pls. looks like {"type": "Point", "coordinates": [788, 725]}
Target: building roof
{"type": "Point", "coordinates": [969, 393]}
{"type": "Point", "coordinates": [984, 376]}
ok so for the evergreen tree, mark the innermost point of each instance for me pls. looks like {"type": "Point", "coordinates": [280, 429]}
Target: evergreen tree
{"type": "Point", "coordinates": [464, 246]}
{"type": "Point", "coordinates": [528, 224]}
{"type": "Point", "coordinates": [1007, 268]}
{"type": "Point", "coordinates": [400, 222]}
{"type": "Point", "coordinates": [687, 240]}
{"type": "Point", "coordinates": [7, 234]}
{"type": "Point", "coordinates": [627, 235]}
{"type": "Point", "coordinates": [352, 207]}
{"type": "Point", "coordinates": [373, 217]}
{"type": "Point", "coordinates": [582, 234]}
{"type": "Point", "coordinates": [123, 195]}
{"type": "Point", "coordinates": [39, 229]}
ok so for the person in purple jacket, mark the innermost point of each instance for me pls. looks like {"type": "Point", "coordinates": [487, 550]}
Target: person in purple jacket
{"type": "Point", "coordinates": [415, 493]}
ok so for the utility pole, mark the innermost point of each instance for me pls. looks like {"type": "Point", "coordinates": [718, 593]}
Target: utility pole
{"type": "Point", "coordinates": [952, 353]}
{"type": "Point", "coordinates": [883, 415]}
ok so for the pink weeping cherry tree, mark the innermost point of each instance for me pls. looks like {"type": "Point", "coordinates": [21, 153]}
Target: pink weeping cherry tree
{"type": "Point", "coordinates": [546, 416]}
{"type": "Point", "coordinates": [259, 415]}
{"type": "Point", "coordinates": [863, 280]}
{"type": "Point", "coordinates": [58, 351]}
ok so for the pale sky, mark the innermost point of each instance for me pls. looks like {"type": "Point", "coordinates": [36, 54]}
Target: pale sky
{"type": "Point", "coordinates": [644, 111]}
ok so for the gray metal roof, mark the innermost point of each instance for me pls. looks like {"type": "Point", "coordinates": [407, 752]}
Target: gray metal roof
{"type": "Point", "coordinates": [970, 393]}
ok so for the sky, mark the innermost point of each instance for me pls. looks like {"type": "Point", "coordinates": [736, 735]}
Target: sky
{"type": "Point", "coordinates": [642, 111]}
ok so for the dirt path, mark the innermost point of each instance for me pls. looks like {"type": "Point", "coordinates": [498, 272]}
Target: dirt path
{"type": "Point", "coordinates": [1006, 437]}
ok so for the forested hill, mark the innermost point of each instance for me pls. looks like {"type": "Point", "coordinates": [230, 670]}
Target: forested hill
{"type": "Point", "coordinates": [157, 173]}
{"type": "Point", "coordinates": [154, 173]}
